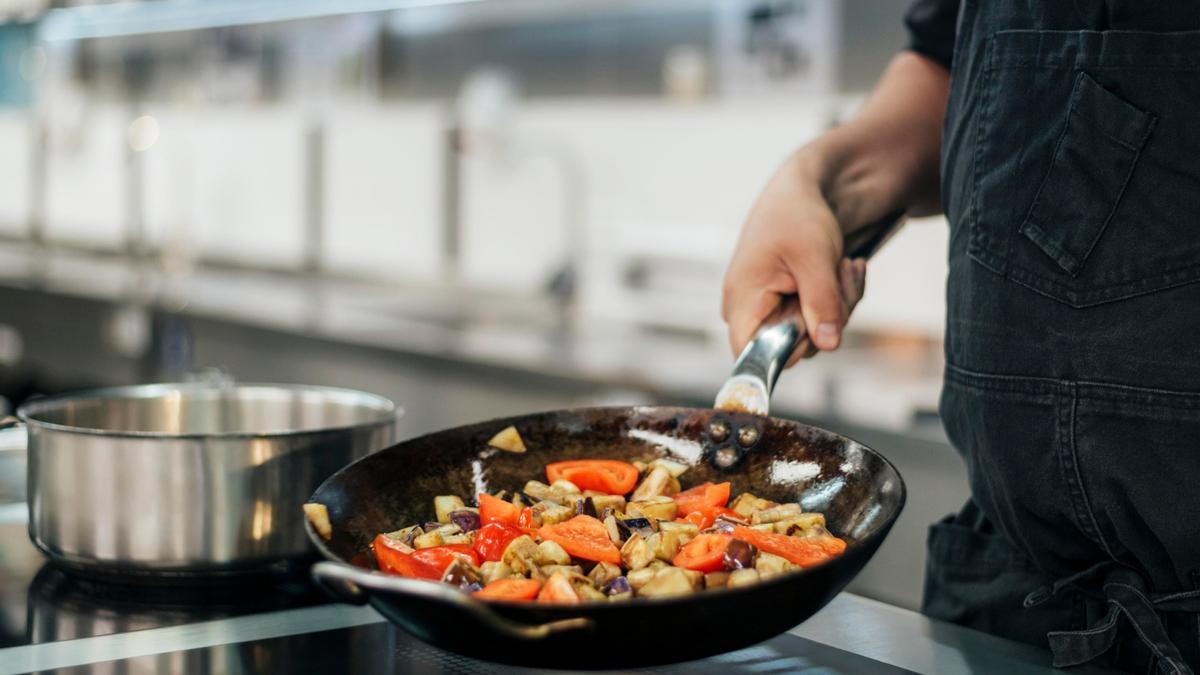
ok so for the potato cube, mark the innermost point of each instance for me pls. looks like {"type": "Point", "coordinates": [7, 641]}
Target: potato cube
{"type": "Point", "coordinates": [318, 515]}
{"type": "Point", "coordinates": [639, 578]}
{"type": "Point", "coordinates": [444, 504]}
{"type": "Point", "coordinates": [551, 553]}
{"type": "Point", "coordinates": [738, 578]}
{"type": "Point", "coordinates": [636, 553]}
{"type": "Point", "coordinates": [493, 570]}
{"type": "Point", "coordinates": [429, 540]}
{"type": "Point", "coordinates": [716, 579]}
{"type": "Point", "coordinates": [508, 439]}
{"type": "Point", "coordinates": [776, 514]}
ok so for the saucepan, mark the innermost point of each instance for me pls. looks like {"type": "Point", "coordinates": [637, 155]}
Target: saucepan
{"type": "Point", "coordinates": [189, 479]}
{"type": "Point", "coordinates": [857, 489]}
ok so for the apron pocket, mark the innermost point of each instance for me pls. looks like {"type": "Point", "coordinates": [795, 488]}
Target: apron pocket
{"type": "Point", "coordinates": [1092, 163]}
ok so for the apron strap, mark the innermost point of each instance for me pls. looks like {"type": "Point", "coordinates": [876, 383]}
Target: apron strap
{"type": "Point", "coordinates": [1127, 599]}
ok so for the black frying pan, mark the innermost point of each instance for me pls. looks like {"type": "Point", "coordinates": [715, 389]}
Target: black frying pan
{"type": "Point", "coordinates": [859, 491]}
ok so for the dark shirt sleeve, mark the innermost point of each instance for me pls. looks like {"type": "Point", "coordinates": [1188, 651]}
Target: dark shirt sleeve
{"type": "Point", "coordinates": [931, 26]}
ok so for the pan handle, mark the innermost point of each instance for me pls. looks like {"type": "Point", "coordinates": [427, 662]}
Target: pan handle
{"type": "Point", "coordinates": [758, 367]}
{"type": "Point", "coordinates": [353, 585]}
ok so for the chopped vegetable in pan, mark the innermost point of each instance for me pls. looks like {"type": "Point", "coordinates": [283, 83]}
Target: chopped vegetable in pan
{"type": "Point", "coordinates": [602, 529]}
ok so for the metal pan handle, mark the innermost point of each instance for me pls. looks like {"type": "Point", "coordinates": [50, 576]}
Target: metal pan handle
{"type": "Point", "coordinates": [758, 367]}
{"type": "Point", "coordinates": [353, 585]}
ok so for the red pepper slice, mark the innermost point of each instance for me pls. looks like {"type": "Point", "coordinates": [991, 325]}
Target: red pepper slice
{"type": "Point", "coordinates": [495, 510]}
{"type": "Point", "coordinates": [395, 560]}
{"type": "Point", "coordinates": [510, 589]}
{"type": "Point", "coordinates": [704, 553]}
{"type": "Point", "coordinates": [493, 538]}
{"type": "Point", "coordinates": [603, 475]}
{"type": "Point", "coordinates": [440, 557]}
{"type": "Point", "coordinates": [701, 496]}
{"type": "Point", "coordinates": [803, 551]}
{"type": "Point", "coordinates": [583, 537]}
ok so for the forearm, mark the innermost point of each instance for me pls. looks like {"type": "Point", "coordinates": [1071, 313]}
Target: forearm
{"type": "Point", "coordinates": [887, 157]}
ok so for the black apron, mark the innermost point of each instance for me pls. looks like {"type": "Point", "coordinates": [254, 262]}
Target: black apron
{"type": "Point", "coordinates": [1071, 180]}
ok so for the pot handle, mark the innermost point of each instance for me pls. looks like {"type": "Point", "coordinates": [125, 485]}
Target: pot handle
{"type": "Point", "coordinates": [749, 386]}
{"type": "Point", "coordinates": [353, 585]}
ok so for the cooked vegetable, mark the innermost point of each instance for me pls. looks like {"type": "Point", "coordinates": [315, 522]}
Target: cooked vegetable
{"type": "Point", "coordinates": [604, 475]}
{"type": "Point", "coordinates": [318, 515]}
{"type": "Point", "coordinates": [705, 553]}
{"type": "Point", "coordinates": [803, 551]}
{"type": "Point", "coordinates": [739, 555]}
{"type": "Point", "coordinates": [702, 496]}
{"type": "Point", "coordinates": [394, 557]}
{"type": "Point", "coordinates": [467, 520]}
{"type": "Point", "coordinates": [662, 542]}
{"type": "Point", "coordinates": [440, 557]}
{"type": "Point", "coordinates": [493, 510]}
{"type": "Point", "coordinates": [493, 538]}
{"type": "Point", "coordinates": [583, 537]}
{"type": "Point", "coordinates": [508, 440]}
{"type": "Point", "coordinates": [444, 504]}
{"type": "Point", "coordinates": [510, 589]}
{"type": "Point", "coordinates": [558, 590]}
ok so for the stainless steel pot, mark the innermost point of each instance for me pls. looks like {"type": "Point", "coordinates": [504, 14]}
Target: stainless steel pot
{"type": "Point", "coordinates": [195, 478]}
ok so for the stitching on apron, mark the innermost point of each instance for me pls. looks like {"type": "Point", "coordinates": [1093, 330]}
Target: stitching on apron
{"type": "Point", "coordinates": [1069, 461]}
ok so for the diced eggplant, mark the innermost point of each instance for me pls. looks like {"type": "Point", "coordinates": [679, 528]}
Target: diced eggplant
{"type": "Point", "coordinates": [769, 565]}
{"type": "Point", "coordinates": [614, 502]}
{"type": "Point", "coordinates": [521, 555]}
{"type": "Point", "coordinates": [659, 508]}
{"type": "Point", "coordinates": [716, 579]}
{"type": "Point", "coordinates": [738, 578]}
{"type": "Point", "coordinates": [814, 532]}
{"type": "Point", "coordinates": [764, 527]}
{"type": "Point", "coordinates": [541, 492]}
{"type": "Point", "coordinates": [636, 553]}
{"type": "Point", "coordinates": [444, 504]}
{"type": "Point", "coordinates": [655, 484]}
{"type": "Point", "coordinates": [640, 466]}
{"type": "Point", "coordinates": [614, 532]}
{"type": "Point", "coordinates": [638, 578]}
{"type": "Point", "coordinates": [676, 469]}
{"type": "Point", "coordinates": [467, 520]}
{"type": "Point", "coordinates": [493, 570]}
{"type": "Point", "coordinates": [586, 590]}
{"type": "Point", "coordinates": [406, 535]}
{"type": "Point", "coordinates": [696, 579]}
{"type": "Point", "coordinates": [586, 507]}
{"type": "Point", "coordinates": [746, 504]}
{"type": "Point", "coordinates": [603, 573]}
{"type": "Point", "coordinates": [630, 526]}
{"type": "Point", "coordinates": [664, 544]}
{"type": "Point", "coordinates": [687, 530]}
{"type": "Point", "coordinates": [461, 573]}
{"type": "Point", "coordinates": [667, 583]}
{"type": "Point", "coordinates": [739, 555]}
{"type": "Point", "coordinates": [566, 570]}
{"type": "Point", "coordinates": [617, 586]}
{"type": "Point", "coordinates": [429, 540]}
{"type": "Point", "coordinates": [776, 514]}
{"type": "Point", "coordinates": [473, 587]}
{"type": "Point", "coordinates": [318, 515]}
{"type": "Point", "coordinates": [565, 487]}
{"type": "Point", "coordinates": [550, 513]}
{"type": "Point", "coordinates": [462, 538]}
{"type": "Point", "coordinates": [432, 525]}
{"type": "Point", "coordinates": [508, 439]}
{"type": "Point", "coordinates": [810, 524]}
{"type": "Point", "coordinates": [551, 553]}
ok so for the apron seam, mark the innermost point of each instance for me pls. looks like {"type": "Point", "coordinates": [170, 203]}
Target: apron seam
{"type": "Point", "coordinates": [1069, 463]}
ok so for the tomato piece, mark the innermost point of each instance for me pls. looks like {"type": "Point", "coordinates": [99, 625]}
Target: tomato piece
{"type": "Point", "coordinates": [583, 537]}
{"type": "Point", "coordinates": [493, 538]}
{"type": "Point", "coordinates": [396, 560]}
{"type": "Point", "coordinates": [704, 553]}
{"type": "Point", "coordinates": [495, 510]}
{"type": "Point", "coordinates": [440, 557]}
{"type": "Point", "coordinates": [705, 494]}
{"type": "Point", "coordinates": [603, 475]}
{"type": "Point", "coordinates": [558, 590]}
{"type": "Point", "coordinates": [803, 551]}
{"type": "Point", "coordinates": [510, 589]}
{"type": "Point", "coordinates": [705, 517]}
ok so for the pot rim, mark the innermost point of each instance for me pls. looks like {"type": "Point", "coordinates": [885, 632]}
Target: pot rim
{"type": "Point", "coordinates": [27, 413]}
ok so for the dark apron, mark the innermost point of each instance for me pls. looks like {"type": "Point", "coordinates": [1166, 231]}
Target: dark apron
{"type": "Point", "coordinates": [1071, 179]}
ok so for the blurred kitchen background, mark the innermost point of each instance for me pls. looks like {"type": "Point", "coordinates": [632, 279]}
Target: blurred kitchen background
{"type": "Point", "coordinates": [474, 207]}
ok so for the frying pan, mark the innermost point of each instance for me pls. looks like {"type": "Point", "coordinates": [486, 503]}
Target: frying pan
{"type": "Point", "coordinates": [857, 489]}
